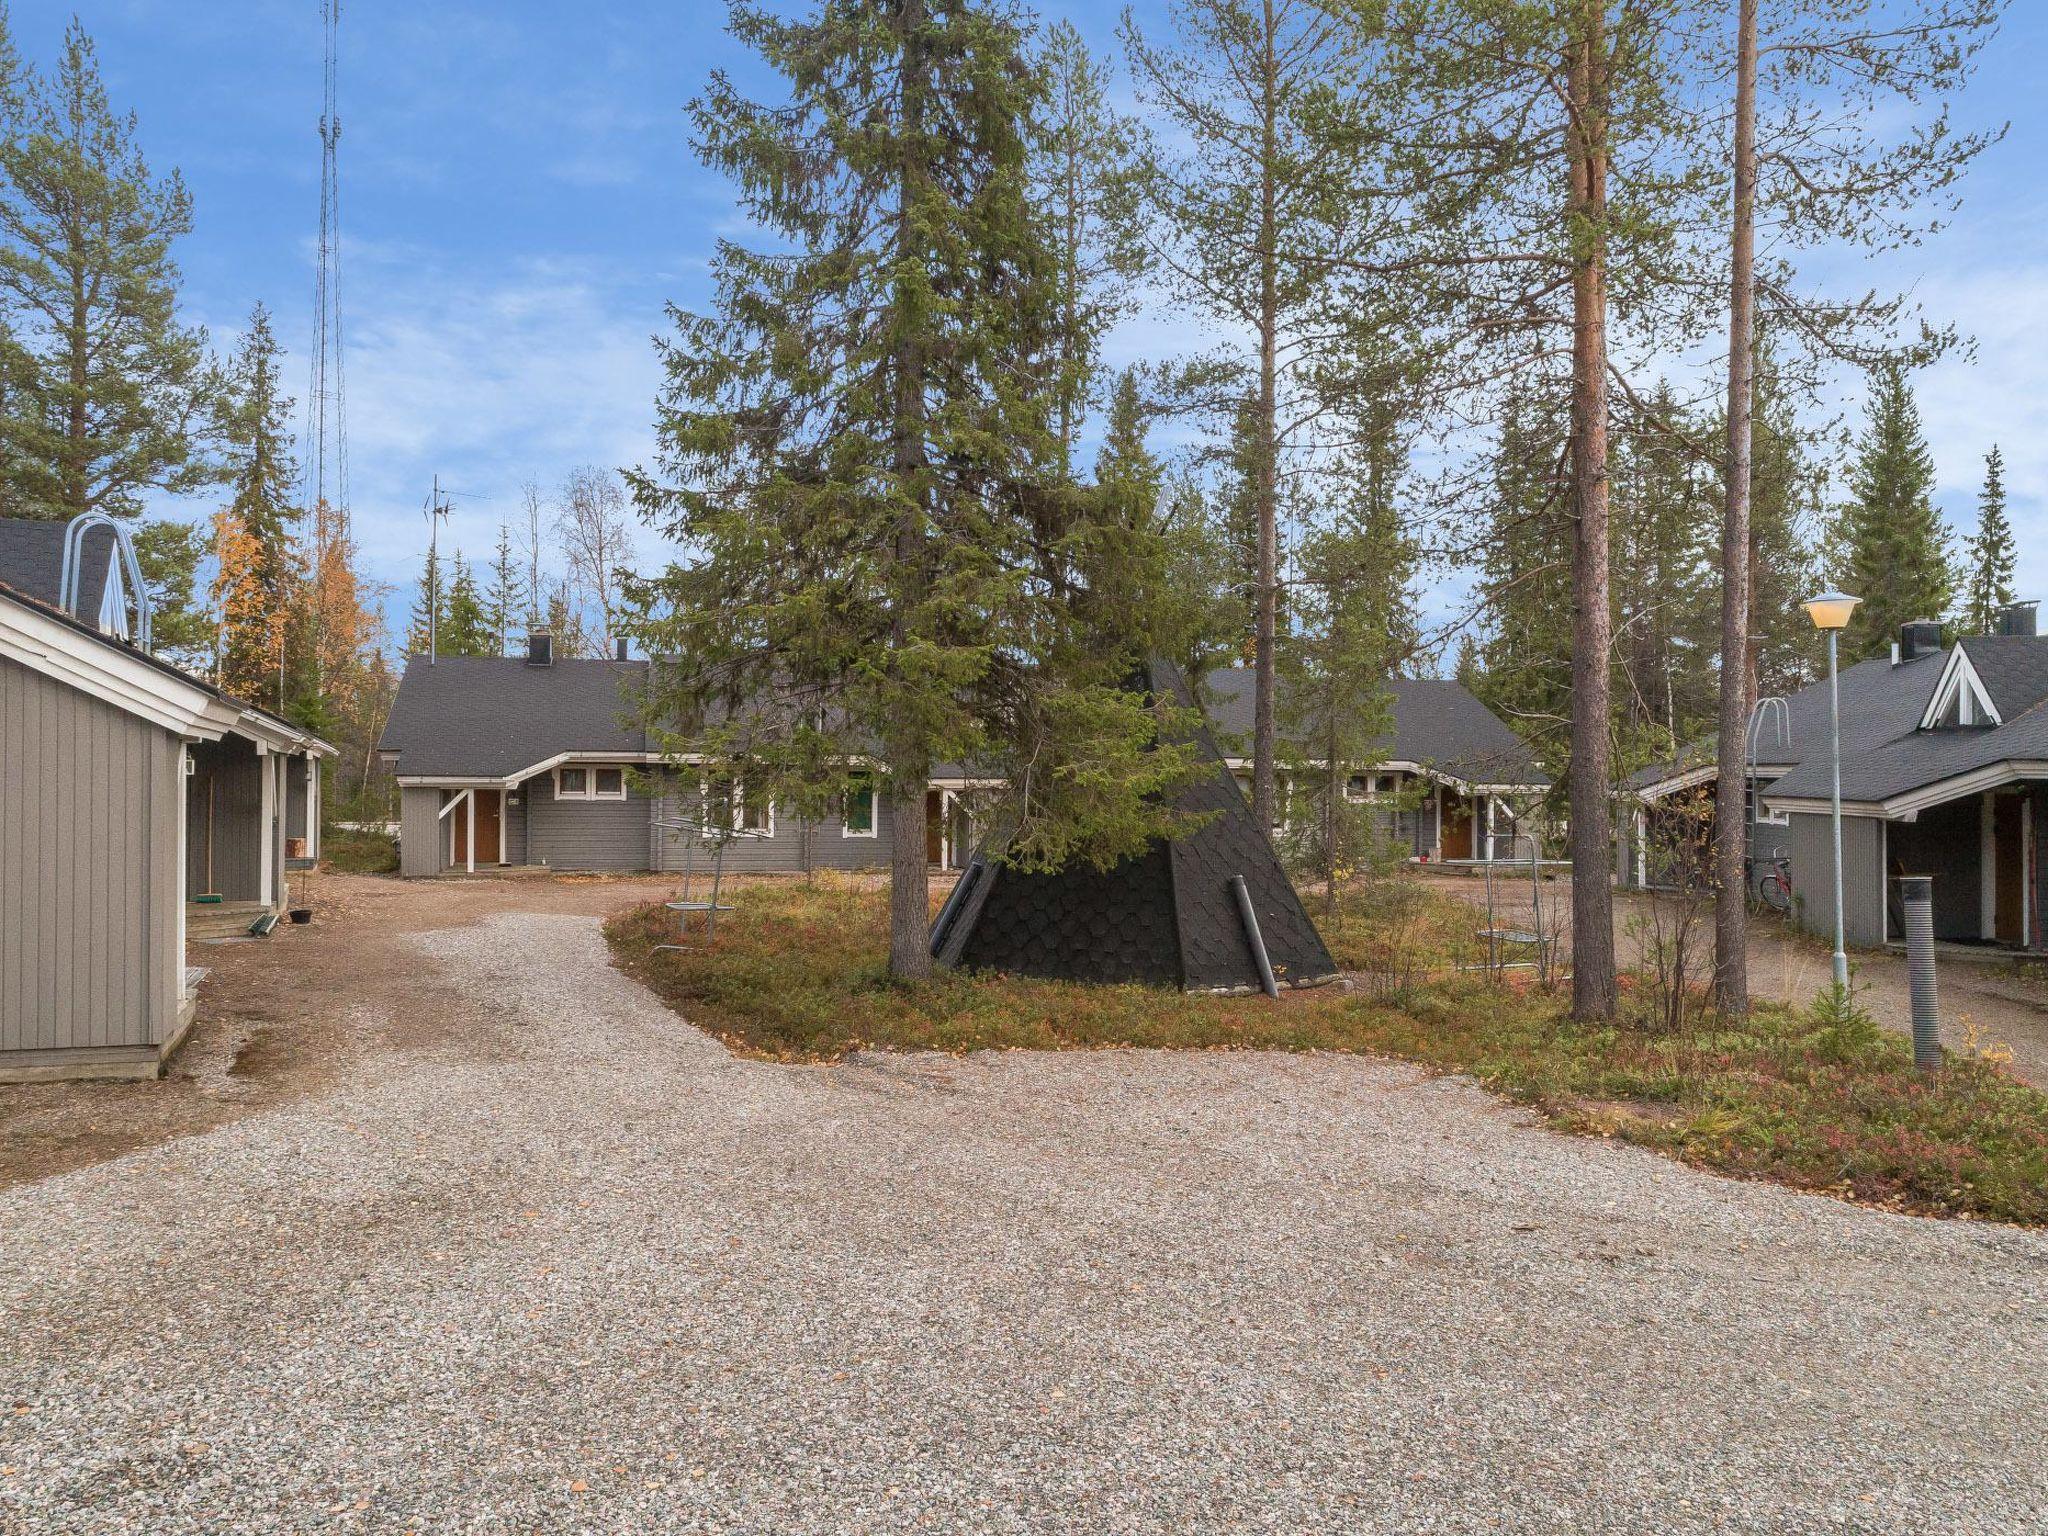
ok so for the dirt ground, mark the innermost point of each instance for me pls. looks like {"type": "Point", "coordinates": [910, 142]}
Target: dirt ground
{"type": "Point", "coordinates": [280, 1017]}
{"type": "Point", "coordinates": [1985, 1003]}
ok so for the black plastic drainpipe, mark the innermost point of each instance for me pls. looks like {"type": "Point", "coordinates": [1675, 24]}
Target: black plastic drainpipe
{"type": "Point", "coordinates": [1251, 932]}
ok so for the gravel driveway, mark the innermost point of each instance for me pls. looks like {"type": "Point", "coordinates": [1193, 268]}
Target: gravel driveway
{"type": "Point", "coordinates": [581, 1270]}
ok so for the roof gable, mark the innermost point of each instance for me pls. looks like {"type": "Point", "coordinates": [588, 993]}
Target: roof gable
{"type": "Point", "coordinates": [1959, 697]}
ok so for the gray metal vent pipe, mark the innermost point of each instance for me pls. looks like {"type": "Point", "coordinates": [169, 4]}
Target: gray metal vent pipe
{"type": "Point", "coordinates": [1918, 893]}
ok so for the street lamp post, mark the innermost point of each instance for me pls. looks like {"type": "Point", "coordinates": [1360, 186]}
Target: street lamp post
{"type": "Point", "coordinates": [1830, 613]}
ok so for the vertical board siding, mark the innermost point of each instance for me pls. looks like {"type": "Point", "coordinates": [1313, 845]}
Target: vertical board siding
{"type": "Point", "coordinates": [235, 776]}
{"type": "Point", "coordinates": [88, 851]}
{"type": "Point", "coordinates": [796, 846]}
{"type": "Point", "coordinates": [421, 848]}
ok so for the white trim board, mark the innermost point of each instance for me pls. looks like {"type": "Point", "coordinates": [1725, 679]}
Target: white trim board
{"type": "Point", "coordinates": [1908, 804]}
{"type": "Point", "coordinates": [1959, 684]}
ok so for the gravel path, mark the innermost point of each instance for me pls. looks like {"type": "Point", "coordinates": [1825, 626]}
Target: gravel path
{"type": "Point", "coordinates": [593, 1274]}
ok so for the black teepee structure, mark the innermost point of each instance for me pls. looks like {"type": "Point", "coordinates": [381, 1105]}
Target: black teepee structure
{"type": "Point", "coordinates": [1172, 916]}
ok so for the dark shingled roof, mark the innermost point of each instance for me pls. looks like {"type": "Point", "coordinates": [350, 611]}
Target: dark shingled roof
{"type": "Point", "coordinates": [1878, 701]}
{"type": "Point", "coordinates": [1167, 916]}
{"type": "Point", "coordinates": [1437, 722]}
{"type": "Point", "coordinates": [488, 716]}
{"type": "Point", "coordinates": [32, 561]}
{"type": "Point", "coordinates": [1885, 754]}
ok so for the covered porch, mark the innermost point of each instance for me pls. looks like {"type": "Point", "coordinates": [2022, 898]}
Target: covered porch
{"type": "Point", "coordinates": [252, 815]}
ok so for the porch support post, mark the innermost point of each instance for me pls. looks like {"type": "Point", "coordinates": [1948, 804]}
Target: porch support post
{"type": "Point", "coordinates": [266, 810]}
{"type": "Point", "coordinates": [470, 811]}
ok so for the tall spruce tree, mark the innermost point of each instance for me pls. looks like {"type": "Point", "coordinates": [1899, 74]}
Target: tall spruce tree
{"type": "Point", "coordinates": [110, 397]}
{"type": "Point", "coordinates": [467, 630]}
{"type": "Point", "coordinates": [1664, 594]}
{"type": "Point", "coordinates": [852, 441]}
{"type": "Point", "coordinates": [1895, 545]}
{"type": "Point", "coordinates": [506, 599]}
{"type": "Point", "coordinates": [259, 570]}
{"type": "Point", "coordinates": [1787, 490]}
{"type": "Point", "coordinates": [1351, 628]}
{"type": "Point", "coordinates": [429, 609]}
{"type": "Point", "coordinates": [1993, 554]}
{"type": "Point", "coordinates": [1526, 583]}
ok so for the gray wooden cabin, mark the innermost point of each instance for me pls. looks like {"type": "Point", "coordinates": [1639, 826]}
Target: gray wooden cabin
{"type": "Point", "coordinates": [127, 787]}
{"type": "Point", "coordinates": [539, 762]}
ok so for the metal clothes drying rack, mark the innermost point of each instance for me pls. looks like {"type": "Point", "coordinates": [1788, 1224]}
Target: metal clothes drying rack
{"type": "Point", "coordinates": [1539, 942]}
{"type": "Point", "coordinates": [695, 832]}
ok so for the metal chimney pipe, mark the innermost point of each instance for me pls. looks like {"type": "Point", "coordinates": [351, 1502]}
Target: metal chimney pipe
{"type": "Point", "coordinates": [1918, 893]}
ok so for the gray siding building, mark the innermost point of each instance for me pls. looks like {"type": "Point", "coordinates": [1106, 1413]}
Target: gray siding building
{"type": "Point", "coordinates": [541, 762]}
{"type": "Point", "coordinates": [127, 788]}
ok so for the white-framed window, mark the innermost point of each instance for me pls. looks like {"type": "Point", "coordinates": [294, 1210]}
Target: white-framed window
{"type": "Point", "coordinates": [857, 817]}
{"type": "Point", "coordinates": [1362, 787]}
{"type": "Point", "coordinates": [729, 804]}
{"type": "Point", "coordinates": [1762, 814]}
{"type": "Point", "coordinates": [753, 814]}
{"type": "Point", "coordinates": [590, 781]}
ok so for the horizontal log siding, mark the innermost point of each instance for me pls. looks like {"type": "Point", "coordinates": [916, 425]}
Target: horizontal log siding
{"type": "Point", "coordinates": [89, 805]}
{"type": "Point", "coordinates": [585, 834]}
{"type": "Point", "coordinates": [795, 847]}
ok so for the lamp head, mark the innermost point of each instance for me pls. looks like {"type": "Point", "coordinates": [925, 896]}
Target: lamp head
{"type": "Point", "coordinates": [1831, 610]}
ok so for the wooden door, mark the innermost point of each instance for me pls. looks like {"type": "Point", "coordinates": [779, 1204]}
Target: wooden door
{"type": "Point", "coordinates": [1457, 839]}
{"type": "Point", "coordinates": [490, 828]}
{"type": "Point", "coordinates": [2009, 868]}
{"type": "Point", "coordinates": [934, 828]}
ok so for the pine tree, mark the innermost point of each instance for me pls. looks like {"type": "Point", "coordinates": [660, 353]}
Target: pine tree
{"type": "Point", "coordinates": [1257, 190]}
{"type": "Point", "coordinates": [852, 442]}
{"type": "Point", "coordinates": [1896, 547]}
{"type": "Point", "coordinates": [110, 397]}
{"type": "Point", "coordinates": [1993, 555]}
{"type": "Point", "coordinates": [258, 578]}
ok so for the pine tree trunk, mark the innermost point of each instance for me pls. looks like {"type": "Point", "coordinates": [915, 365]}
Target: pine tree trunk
{"type": "Point", "coordinates": [909, 768]}
{"type": "Point", "coordinates": [910, 917]}
{"type": "Point", "coordinates": [1731, 883]}
{"type": "Point", "coordinates": [1267, 595]}
{"type": "Point", "coordinates": [1587, 787]}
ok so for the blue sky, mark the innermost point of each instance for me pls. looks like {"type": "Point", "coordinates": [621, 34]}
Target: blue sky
{"type": "Point", "coordinates": [519, 202]}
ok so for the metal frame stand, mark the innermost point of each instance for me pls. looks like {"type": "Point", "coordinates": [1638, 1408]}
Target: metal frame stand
{"type": "Point", "coordinates": [695, 831]}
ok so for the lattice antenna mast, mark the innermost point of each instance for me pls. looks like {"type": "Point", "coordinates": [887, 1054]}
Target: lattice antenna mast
{"type": "Point", "coordinates": [326, 462]}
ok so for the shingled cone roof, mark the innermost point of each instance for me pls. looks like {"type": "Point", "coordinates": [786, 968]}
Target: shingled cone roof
{"type": "Point", "coordinates": [1167, 916]}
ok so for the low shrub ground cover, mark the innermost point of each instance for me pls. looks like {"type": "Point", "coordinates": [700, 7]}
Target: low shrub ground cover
{"type": "Point", "coordinates": [359, 853]}
{"type": "Point", "coordinates": [1819, 1099]}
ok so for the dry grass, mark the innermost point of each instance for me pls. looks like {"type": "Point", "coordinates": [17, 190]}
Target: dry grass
{"type": "Point", "coordinates": [1807, 1099]}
